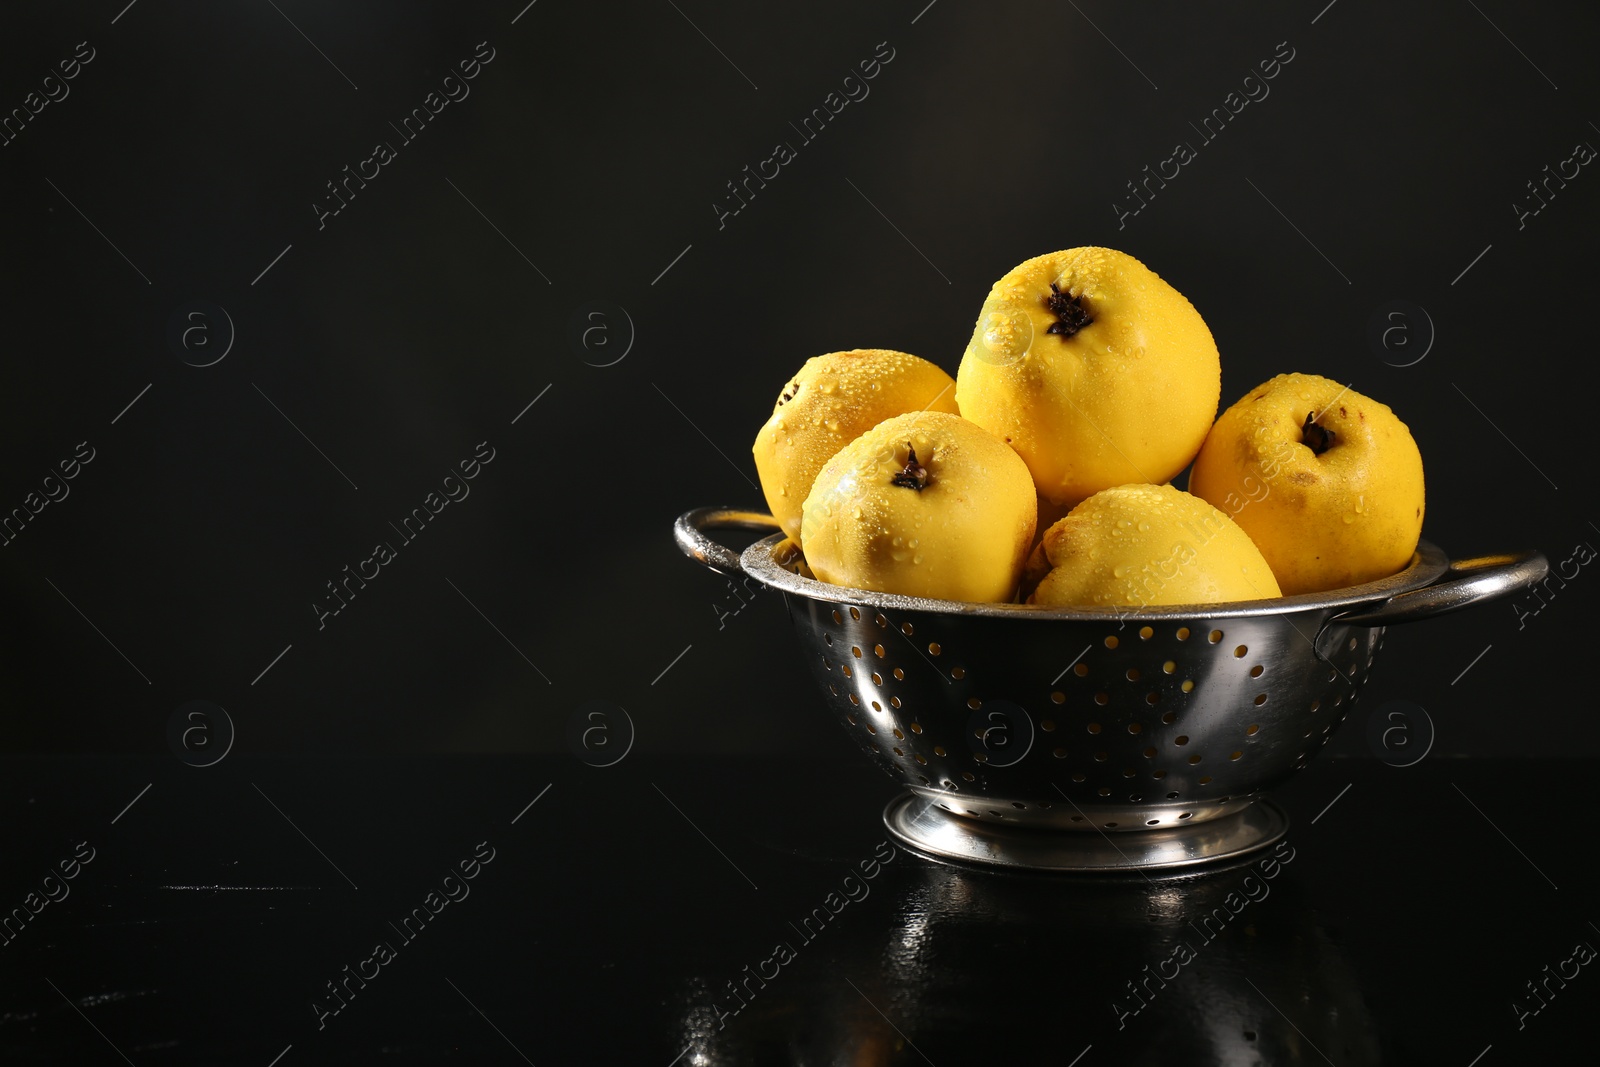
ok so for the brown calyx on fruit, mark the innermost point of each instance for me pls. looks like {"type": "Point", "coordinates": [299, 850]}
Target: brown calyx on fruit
{"type": "Point", "coordinates": [914, 475]}
{"type": "Point", "coordinates": [790, 391]}
{"type": "Point", "coordinates": [1065, 307]}
{"type": "Point", "coordinates": [1315, 437]}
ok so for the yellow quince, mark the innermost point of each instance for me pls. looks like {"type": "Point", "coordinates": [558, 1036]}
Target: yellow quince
{"type": "Point", "coordinates": [1326, 481]}
{"type": "Point", "coordinates": [1094, 369]}
{"type": "Point", "coordinates": [924, 504]}
{"type": "Point", "coordinates": [1145, 546]}
{"type": "Point", "coordinates": [834, 399]}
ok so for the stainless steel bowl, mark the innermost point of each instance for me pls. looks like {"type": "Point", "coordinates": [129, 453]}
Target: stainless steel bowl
{"type": "Point", "coordinates": [1093, 738]}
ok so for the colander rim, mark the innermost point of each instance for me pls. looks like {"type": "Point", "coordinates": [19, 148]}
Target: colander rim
{"type": "Point", "coordinates": [1428, 564]}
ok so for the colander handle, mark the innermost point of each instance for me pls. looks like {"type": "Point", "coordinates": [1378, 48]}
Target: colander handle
{"type": "Point", "coordinates": [1467, 582]}
{"type": "Point", "coordinates": [689, 531]}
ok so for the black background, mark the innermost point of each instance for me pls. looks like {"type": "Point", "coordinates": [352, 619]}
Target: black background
{"type": "Point", "coordinates": [408, 329]}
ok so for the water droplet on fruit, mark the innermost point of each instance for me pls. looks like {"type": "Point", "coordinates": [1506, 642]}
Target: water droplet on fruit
{"type": "Point", "coordinates": [1349, 519]}
{"type": "Point", "coordinates": [917, 558]}
{"type": "Point", "coordinates": [1118, 571]}
{"type": "Point", "coordinates": [833, 424]}
{"type": "Point", "coordinates": [828, 385]}
{"type": "Point", "coordinates": [1144, 527]}
{"type": "Point", "coordinates": [899, 555]}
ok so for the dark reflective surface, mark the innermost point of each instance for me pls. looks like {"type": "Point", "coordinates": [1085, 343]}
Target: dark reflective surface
{"type": "Point", "coordinates": [730, 912]}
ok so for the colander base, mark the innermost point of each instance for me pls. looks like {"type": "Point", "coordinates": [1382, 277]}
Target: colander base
{"type": "Point", "coordinates": [922, 825]}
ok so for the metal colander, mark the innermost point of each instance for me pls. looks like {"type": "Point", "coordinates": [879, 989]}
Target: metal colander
{"type": "Point", "coordinates": [1093, 738]}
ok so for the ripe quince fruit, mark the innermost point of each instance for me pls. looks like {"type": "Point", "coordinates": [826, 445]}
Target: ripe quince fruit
{"type": "Point", "coordinates": [1095, 370]}
{"type": "Point", "coordinates": [924, 504]}
{"type": "Point", "coordinates": [834, 399]}
{"type": "Point", "coordinates": [1326, 481]}
{"type": "Point", "coordinates": [1145, 546]}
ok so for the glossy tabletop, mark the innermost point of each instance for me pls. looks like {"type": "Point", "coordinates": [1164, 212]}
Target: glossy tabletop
{"type": "Point", "coordinates": [502, 910]}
